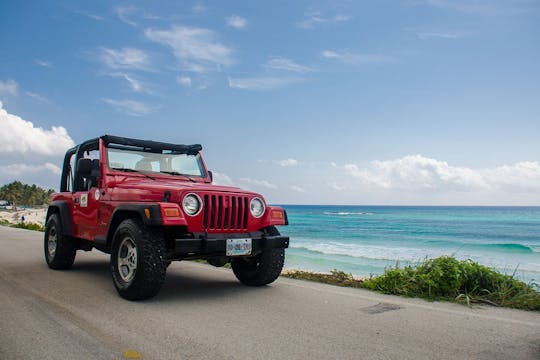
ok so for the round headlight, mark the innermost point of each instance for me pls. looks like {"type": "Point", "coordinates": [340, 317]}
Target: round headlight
{"type": "Point", "coordinates": [192, 204]}
{"type": "Point", "coordinates": [257, 207]}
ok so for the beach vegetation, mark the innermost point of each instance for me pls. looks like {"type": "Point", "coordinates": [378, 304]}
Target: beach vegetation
{"type": "Point", "coordinates": [462, 281]}
{"type": "Point", "coordinates": [23, 225]}
{"type": "Point", "coordinates": [29, 226]}
{"type": "Point", "coordinates": [335, 277]}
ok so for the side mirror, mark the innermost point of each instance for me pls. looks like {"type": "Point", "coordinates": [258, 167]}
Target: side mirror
{"type": "Point", "coordinates": [211, 176]}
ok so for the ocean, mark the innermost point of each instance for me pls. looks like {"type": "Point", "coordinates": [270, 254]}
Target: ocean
{"type": "Point", "coordinates": [364, 240]}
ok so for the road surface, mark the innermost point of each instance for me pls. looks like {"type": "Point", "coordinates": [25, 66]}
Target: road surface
{"type": "Point", "coordinates": [202, 312]}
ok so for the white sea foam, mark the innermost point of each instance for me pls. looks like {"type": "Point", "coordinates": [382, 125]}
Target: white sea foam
{"type": "Point", "coordinates": [409, 254]}
{"type": "Point", "coordinates": [346, 213]}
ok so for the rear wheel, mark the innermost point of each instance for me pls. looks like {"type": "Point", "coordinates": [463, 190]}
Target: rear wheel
{"type": "Point", "coordinates": [138, 263]}
{"type": "Point", "coordinates": [59, 250]}
{"type": "Point", "coordinates": [262, 269]}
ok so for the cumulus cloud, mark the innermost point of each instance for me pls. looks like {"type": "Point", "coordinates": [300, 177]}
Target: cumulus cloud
{"type": "Point", "coordinates": [197, 48]}
{"type": "Point", "coordinates": [221, 179]}
{"type": "Point", "coordinates": [125, 58]}
{"type": "Point", "coordinates": [9, 87]}
{"type": "Point", "coordinates": [19, 136]}
{"type": "Point", "coordinates": [262, 183]}
{"type": "Point", "coordinates": [417, 172]}
{"type": "Point", "coordinates": [260, 83]}
{"type": "Point", "coordinates": [288, 162]}
{"type": "Point", "coordinates": [348, 57]}
{"type": "Point", "coordinates": [297, 188]}
{"type": "Point", "coordinates": [236, 22]}
{"type": "Point", "coordinates": [18, 170]}
{"type": "Point", "coordinates": [280, 63]}
{"type": "Point", "coordinates": [130, 107]}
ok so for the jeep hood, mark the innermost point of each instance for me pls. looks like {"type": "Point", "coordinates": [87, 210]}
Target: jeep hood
{"type": "Point", "coordinates": [154, 190]}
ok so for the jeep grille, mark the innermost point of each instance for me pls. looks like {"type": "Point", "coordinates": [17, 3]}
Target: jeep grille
{"type": "Point", "coordinates": [225, 212]}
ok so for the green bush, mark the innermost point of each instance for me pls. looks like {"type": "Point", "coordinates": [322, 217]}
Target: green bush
{"type": "Point", "coordinates": [446, 278]}
{"type": "Point", "coordinates": [28, 226]}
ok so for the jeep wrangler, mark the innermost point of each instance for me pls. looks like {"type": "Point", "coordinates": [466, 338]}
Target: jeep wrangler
{"type": "Point", "coordinates": [148, 203]}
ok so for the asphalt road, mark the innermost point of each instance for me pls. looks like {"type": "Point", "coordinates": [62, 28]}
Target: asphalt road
{"type": "Point", "coordinates": [202, 312]}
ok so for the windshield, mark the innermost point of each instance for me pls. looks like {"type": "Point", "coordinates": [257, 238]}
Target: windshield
{"type": "Point", "coordinates": [165, 162]}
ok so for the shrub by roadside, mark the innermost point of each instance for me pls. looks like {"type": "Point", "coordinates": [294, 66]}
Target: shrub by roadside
{"type": "Point", "coordinates": [465, 281]}
{"type": "Point", "coordinates": [23, 225]}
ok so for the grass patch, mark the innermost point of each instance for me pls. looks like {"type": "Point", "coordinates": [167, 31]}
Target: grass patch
{"type": "Point", "coordinates": [23, 225]}
{"type": "Point", "coordinates": [465, 281]}
{"type": "Point", "coordinates": [335, 277]}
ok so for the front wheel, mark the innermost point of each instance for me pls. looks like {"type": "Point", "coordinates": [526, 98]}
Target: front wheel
{"type": "Point", "coordinates": [262, 269]}
{"type": "Point", "coordinates": [138, 263]}
{"type": "Point", "coordinates": [59, 250]}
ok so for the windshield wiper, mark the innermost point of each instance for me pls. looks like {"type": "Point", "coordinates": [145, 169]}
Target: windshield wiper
{"type": "Point", "coordinates": [177, 173]}
{"type": "Point", "coordinates": [135, 171]}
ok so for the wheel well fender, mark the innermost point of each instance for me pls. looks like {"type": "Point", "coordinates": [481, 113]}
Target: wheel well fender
{"type": "Point", "coordinates": [62, 209]}
{"type": "Point", "coordinates": [150, 215]}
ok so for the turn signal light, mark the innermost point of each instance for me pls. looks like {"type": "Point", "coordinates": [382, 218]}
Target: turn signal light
{"type": "Point", "coordinates": [276, 214]}
{"type": "Point", "coordinates": [171, 212]}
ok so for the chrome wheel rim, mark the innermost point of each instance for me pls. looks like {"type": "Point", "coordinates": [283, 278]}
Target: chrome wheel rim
{"type": "Point", "coordinates": [52, 241]}
{"type": "Point", "coordinates": [127, 259]}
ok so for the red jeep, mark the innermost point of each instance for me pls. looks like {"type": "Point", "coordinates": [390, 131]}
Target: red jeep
{"type": "Point", "coordinates": [148, 203]}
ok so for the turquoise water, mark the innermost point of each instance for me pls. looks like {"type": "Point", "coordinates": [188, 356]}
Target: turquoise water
{"type": "Point", "coordinates": [363, 240]}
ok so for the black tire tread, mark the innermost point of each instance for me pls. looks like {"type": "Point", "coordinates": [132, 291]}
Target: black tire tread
{"type": "Point", "coordinates": [151, 261]}
{"type": "Point", "coordinates": [268, 266]}
{"type": "Point", "coordinates": [65, 248]}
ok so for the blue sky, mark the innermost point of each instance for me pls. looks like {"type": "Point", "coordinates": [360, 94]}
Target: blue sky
{"type": "Point", "coordinates": [321, 102]}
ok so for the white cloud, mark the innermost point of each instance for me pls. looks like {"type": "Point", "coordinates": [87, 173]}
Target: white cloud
{"type": "Point", "coordinates": [125, 58]}
{"type": "Point", "coordinates": [416, 172]}
{"type": "Point", "coordinates": [135, 84]}
{"type": "Point", "coordinates": [9, 87]}
{"type": "Point", "coordinates": [37, 97]}
{"type": "Point", "coordinates": [280, 63]}
{"type": "Point", "coordinates": [90, 15]}
{"type": "Point", "coordinates": [260, 83]}
{"type": "Point", "coordinates": [311, 19]}
{"type": "Point", "coordinates": [221, 179]}
{"type": "Point", "coordinates": [297, 188]}
{"type": "Point", "coordinates": [483, 7]}
{"type": "Point", "coordinates": [43, 63]}
{"type": "Point", "coordinates": [335, 186]}
{"type": "Point", "coordinates": [131, 107]}
{"type": "Point", "coordinates": [185, 81]}
{"type": "Point", "coordinates": [197, 48]}
{"type": "Point", "coordinates": [262, 183]}
{"type": "Point", "coordinates": [236, 21]}
{"type": "Point", "coordinates": [347, 57]}
{"type": "Point", "coordinates": [124, 13]}
{"type": "Point", "coordinates": [288, 162]}
{"type": "Point", "coordinates": [18, 170]}
{"type": "Point", "coordinates": [22, 137]}
{"type": "Point", "coordinates": [439, 35]}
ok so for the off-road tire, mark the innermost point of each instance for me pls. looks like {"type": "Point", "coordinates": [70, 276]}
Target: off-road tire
{"type": "Point", "coordinates": [59, 249]}
{"type": "Point", "coordinates": [150, 264]}
{"type": "Point", "coordinates": [262, 269]}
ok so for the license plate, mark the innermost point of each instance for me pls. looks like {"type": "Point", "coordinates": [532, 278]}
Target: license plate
{"type": "Point", "coordinates": [237, 247]}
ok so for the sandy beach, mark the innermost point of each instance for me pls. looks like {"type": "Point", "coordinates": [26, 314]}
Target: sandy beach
{"type": "Point", "coordinates": [31, 215]}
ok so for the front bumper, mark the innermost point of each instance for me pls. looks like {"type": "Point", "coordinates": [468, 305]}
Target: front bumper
{"type": "Point", "coordinates": [216, 246]}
